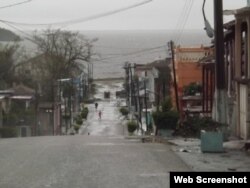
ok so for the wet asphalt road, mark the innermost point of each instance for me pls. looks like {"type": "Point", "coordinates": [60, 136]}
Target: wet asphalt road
{"type": "Point", "coordinates": [85, 161]}
{"type": "Point", "coordinates": [103, 159]}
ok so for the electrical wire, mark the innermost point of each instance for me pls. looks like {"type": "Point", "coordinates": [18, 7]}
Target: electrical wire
{"type": "Point", "coordinates": [180, 20]}
{"type": "Point", "coordinates": [183, 19]}
{"type": "Point", "coordinates": [26, 35]}
{"type": "Point", "coordinates": [182, 15]}
{"type": "Point", "coordinates": [184, 22]}
{"type": "Point", "coordinates": [15, 4]}
{"type": "Point", "coordinates": [142, 50]}
{"type": "Point", "coordinates": [138, 53]}
{"type": "Point", "coordinates": [134, 54]}
{"type": "Point", "coordinates": [162, 48]}
{"type": "Point", "coordinates": [118, 48]}
{"type": "Point", "coordinates": [81, 20]}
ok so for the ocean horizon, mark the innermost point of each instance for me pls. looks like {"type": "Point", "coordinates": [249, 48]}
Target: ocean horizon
{"type": "Point", "coordinates": [115, 47]}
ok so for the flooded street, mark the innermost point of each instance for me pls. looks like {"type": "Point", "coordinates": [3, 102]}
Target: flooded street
{"type": "Point", "coordinates": [109, 124]}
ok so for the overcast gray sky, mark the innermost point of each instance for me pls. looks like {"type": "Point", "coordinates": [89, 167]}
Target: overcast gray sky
{"type": "Point", "coordinates": [156, 14]}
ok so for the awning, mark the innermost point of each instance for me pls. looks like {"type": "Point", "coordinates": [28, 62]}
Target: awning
{"type": "Point", "coordinates": [21, 97]}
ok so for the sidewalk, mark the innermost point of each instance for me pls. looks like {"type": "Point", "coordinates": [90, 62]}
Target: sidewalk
{"type": "Point", "coordinates": [235, 158]}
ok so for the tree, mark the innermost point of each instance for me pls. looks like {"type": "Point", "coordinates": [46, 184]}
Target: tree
{"type": "Point", "coordinates": [62, 53]}
{"type": "Point", "coordinates": [7, 65]}
{"type": "Point", "coordinates": [166, 118]}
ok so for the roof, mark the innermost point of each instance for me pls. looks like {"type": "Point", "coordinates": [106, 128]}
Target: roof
{"type": "Point", "coordinates": [142, 67]}
{"type": "Point", "coordinates": [162, 63]}
{"type": "Point", "coordinates": [242, 11]}
{"type": "Point", "coordinates": [207, 59]}
{"type": "Point", "coordinates": [192, 49]}
{"type": "Point", "coordinates": [21, 97]}
{"type": "Point", "coordinates": [245, 11]}
{"type": "Point", "coordinates": [22, 90]}
{"type": "Point", "coordinates": [6, 92]}
{"type": "Point", "coordinates": [229, 25]}
{"type": "Point", "coordinates": [158, 64]}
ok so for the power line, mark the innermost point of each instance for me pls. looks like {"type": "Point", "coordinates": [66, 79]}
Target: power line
{"type": "Point", "coordinates": [15, 4]}
{"type": "Point", "coordinates": [80, 20]}
{"type": "Point", "coordinates": [185, 20]}
{"type": "Point", "coordinates": [139, 51]}
{"type": "Point", "coordinates": [183, 13]}
{"type": "Point", "coordinates": [27, 35]}
{"type": "Point", "coordinates": [155, 49]}
{"type": "Point", "coordinates": [118, 48]}
{"type": "Point", "coordinates": [182, 20]}
{"type": "Point", "coordinates": [134, 53]}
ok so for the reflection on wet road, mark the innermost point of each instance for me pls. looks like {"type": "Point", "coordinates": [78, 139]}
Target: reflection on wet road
{"type": "Point", "coordinates": [109, 124]}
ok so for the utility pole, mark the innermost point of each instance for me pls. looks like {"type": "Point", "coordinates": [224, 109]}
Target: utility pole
{"type": "Point", "coordinates": [220, 93]}
{"type": "Point", "coordinates": [171, 44]}
{"type": "Point", "coordinates": [60, 105]}
{"type": "Point", "coordinates": [145, 101]}
{"type": "Point", "coordinates": [132, 86]}
{"type": "Point", "coordinates": [126, 68]}
{"type": "Point", "coordinates": [70, 102]}
{"type": "Point", "coordinates": [139, 102]}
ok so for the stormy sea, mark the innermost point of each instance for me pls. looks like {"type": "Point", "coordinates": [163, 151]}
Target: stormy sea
{"type": "Point", "coordinates": [114, 48]}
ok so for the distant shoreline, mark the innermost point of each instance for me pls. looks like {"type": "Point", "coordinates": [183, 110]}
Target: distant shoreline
{"type": "Point", "coordinates": [109, 79]}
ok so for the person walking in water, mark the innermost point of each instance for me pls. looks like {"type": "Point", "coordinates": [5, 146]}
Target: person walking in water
{"type": "Point", "coordinates": [96, 106]}
{"type": "Point", "coordinates": [100, 114]}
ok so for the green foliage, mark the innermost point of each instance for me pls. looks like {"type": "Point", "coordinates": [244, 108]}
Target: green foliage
{"type": "Point", "coordinates": [8, 132]}
{"type": "Point", "coordinates": [166, 120]}
{"type": "Point", "coordinates": [78, 120]}
{"type": "Point", "coordinates": [192, 89]}
{"type": "Point", "coordinates": [84, 112]}
{"type": "Point", "coordinates": [77, 127]}
{"type": "Point", "coordinates": [124, 111]}
{"type": "Point", "coordinates": [132, 126]}
{"type": "Point", "coordinates": [7, 65]}
{"type": "Point", "coordinates": [166, 105]}
{"type": "Point", "coordinates": [18, 114]}
{"type": "Point", "coordinates": [192, 126]}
